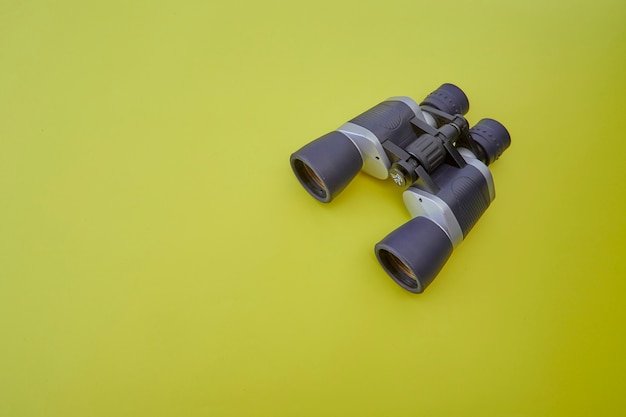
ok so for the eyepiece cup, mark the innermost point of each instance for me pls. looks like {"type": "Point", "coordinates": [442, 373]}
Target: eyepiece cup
{"type": "Point", "coordinates": [414, 253]}
{"type": "Point", "coordinates": [448, 98]}
{"type": "Point", "coordinates": [492, 137]}
{"type": "Point", "coordinates": [326, 166]}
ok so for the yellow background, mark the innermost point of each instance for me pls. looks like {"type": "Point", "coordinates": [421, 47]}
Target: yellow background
{"type": "Point", "coordinates": [158, 258]}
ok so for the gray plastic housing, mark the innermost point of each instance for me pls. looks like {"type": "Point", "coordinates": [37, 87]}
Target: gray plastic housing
{"type": "Point", "coordinates": [326, 166]}
{"type": "Point", "coordinates": [414, 253]}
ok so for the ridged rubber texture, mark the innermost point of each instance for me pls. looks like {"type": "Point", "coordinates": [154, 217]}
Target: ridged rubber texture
{"type": "Point", "coordinates": [333, 158]}
{"type": "Point", "coordinates": [465, 191]}
{"type": "Point", "coordinates": [493, 137]}
{"type": "Point", "coordinates": [448, 98]}
{"type": "Point", "coordinates": [419, 244]}
{"type": "Point", "coordinates": [389, 120]}
{"type": "Point", "coordinates": [428, 150]}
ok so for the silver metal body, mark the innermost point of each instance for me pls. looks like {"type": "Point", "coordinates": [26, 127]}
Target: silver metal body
{"type": "Point", "coordinates": [375, 161]}
{"type": "Point", "coordinates": [422, 203]}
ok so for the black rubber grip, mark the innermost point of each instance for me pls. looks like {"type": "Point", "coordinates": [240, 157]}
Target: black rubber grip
{"type": "Point", "coordinates": [326, 166]}
{"type": "Point", "coordinates": [389, 120]}
{"type": "Point", "coordinates": [414, 253]}
{"type": "Point", "coordinates": [465, 191]}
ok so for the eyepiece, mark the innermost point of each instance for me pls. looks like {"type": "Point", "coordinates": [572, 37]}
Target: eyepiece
{"type": "Point", "coordinates": [326, 166]}
{"type": "Point", "coordinates": [448, 98]}
{"type": "Point", "coordinates": [492, 137]}
{"type": "Point", "coordinates": [414, 253]}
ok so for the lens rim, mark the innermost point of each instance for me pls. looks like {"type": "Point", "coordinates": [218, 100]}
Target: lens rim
{"type": "Point", "coordinates": [399, 270]}
{"type": "Point", "coordinates": [310, 179]}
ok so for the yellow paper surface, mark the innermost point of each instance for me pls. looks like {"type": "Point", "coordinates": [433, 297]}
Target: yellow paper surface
{"type": "Point", "coordinates": [159, 258]}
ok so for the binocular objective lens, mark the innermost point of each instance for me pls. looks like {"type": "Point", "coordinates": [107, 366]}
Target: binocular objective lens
{"type": "Point", "coordinates": [312, 182]}
{"type": "Point", "coordinates": [414, 253]}
{"type": "Point", "coordinates": [398, 269]}
{"type": "Point", "coordinates": [326, 166]}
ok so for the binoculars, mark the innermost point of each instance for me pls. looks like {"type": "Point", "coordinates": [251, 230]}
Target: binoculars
{"type": "Point", "coordinates": [432, 153]}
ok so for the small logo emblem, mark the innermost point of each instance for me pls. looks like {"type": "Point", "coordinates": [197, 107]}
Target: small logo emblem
{"type": "Point", "coordinates": [397, 178]}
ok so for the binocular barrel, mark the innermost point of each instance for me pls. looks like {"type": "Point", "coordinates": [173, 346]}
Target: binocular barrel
{"type": "Point", "coordinates": [429, 148]}
{"type": "Point", "coordinates": [326, 166]}
{"type": "Point", "coordinates": [414, 253]}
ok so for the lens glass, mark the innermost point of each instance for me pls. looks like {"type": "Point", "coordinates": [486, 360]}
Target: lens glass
{"type": "Point", "coordinates": [398, 270]}
{"type": "Point", "coordinates": [311, 181]}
